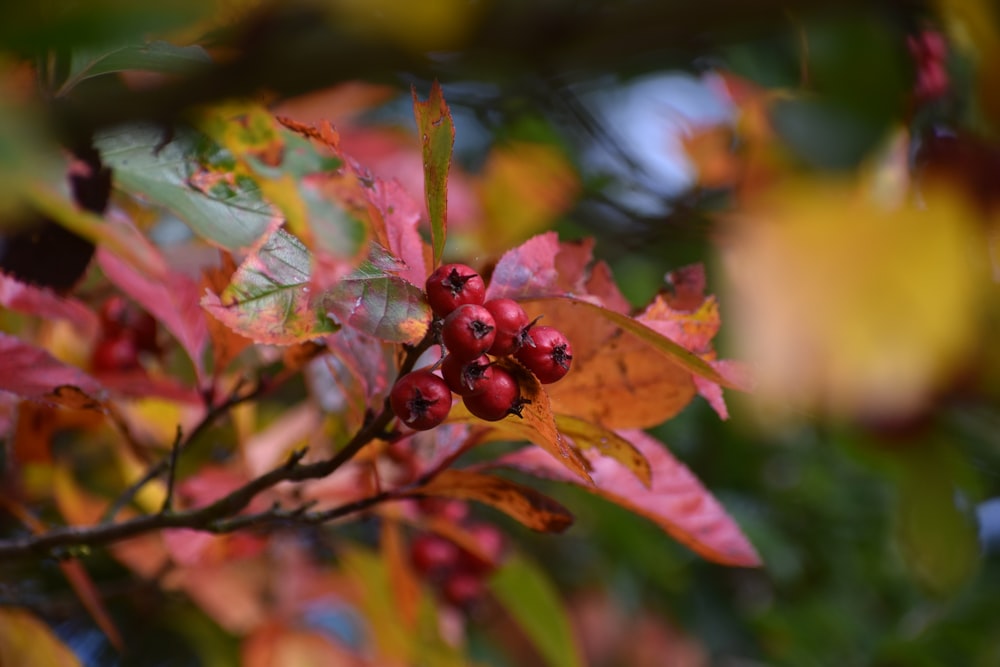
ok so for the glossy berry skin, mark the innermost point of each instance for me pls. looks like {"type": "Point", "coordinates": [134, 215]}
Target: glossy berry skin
{"type": "Point", "coordinates": [501, 397]}
{"type": "Point", "coordinates": [466, 378]}
{"type": "Point", "coordinates": [512, 326]}
{"type": "Point", "coordinates": [421, 400]}
{"type": "Point", "coordinates": [468, 331]}
{"type": "Point", "coordinates": [550, 357]}
{"type": "Point", "coordinates": [454, 285]}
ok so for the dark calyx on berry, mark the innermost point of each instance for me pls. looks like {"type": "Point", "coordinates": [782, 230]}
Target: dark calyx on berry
{"type": "Point", "coordinates": [468, 331]}
{"type": "Point", "coordinates": [421, 400]}
{"type": "Point", "coordinates": [453, 285]}
{"type": "Point", "coordinates": [467, 377]}
{"type": "Point", "coordinates": [501, 397]}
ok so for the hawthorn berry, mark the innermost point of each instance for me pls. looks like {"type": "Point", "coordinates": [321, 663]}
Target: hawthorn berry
{"type": "Point", "coordinates": [421, 400]}
{"type": "Point", "coordinates": [468, 331]}
{"type": "Point", "coordinates": [549, 359]}
{"type": "Point", "coordinates": [453, 285]}
{"type": "Point", "coordinates": [500, 397]}
{"type": "Point", "coordinates": [466, 377]}
{"type": "Point", "coordinates": [512, 326]}
{"type": "Point", "coordinates": [431, 553]}
{"type": "Point", "coordinates": [461, 589]}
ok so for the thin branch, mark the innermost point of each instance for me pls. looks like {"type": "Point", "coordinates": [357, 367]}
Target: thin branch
{"type": "Point", "coordinates": [220, 516]}
{"type": "Point", "coordinates": [168, 502]}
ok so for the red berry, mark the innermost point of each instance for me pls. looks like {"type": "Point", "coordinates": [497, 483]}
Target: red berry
{"type": "Point", "coordinates": [431, 553]}
{"type": "Point", "coordinates": [462, 588]}
{"type": "Point", "coordinates": [115, 353]}
{"type": "Point", "coordinates": [468, 331]}
{"type": "Point", "coordinates": [466, 377]}
{"type": "Point", "coordinates": [512, 326]}
{"type": "Point", "coordinates": [491, 545]}
{"type": "Point", "coordinates": [453, 285]}
{"type": "Point", "coordinates": [421, 400]}
{"type": "Point", "coordinates": [550, 356]}
{"type": "Point", "coordinates": [501, 397]}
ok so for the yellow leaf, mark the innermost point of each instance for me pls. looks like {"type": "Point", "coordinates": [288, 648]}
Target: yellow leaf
{"type": "Point", "coordinates": [24, 640]}
{"type": "Point", "coordinates": [849, 306]}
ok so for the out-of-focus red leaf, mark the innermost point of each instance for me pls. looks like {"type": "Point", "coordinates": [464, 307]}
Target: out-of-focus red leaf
{"type": "Point", "coordinates": [174, 301]}
{"type": "Point", "coordinates": [676, 501]}
{"type": "Point", "coordinates": [269, 299]}
{"type": "Point", "coordinates": [437, 138]}
{"type": "Point", "coordinates": [32, 372]}
{"type": "Point", "coordinates": [528, 270]}
{"type": "Point", "coordinates": [381, 304]}
{"type": "Point", "coordinates": [140, 384]}
{"type": "Point", "coordinates": [45, 303]}
{"type": "Point", "coordinates": [24, 640]}
{"type": "Point", "coordinates": [523, 503]}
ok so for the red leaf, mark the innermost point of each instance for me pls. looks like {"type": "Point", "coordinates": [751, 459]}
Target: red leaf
{"type": "Point", "coordinates": [528, 270]}
{"type": "Point", "coordinates": [174, 301]}
{"type": "Point", "coordinates": [32, 372]}
{"type": "Point", "coordinates": [401, 215]}
{"type": "Point", "coordinates": [45, 303]}
{"type": "Point", "coordinates": [676, 501]}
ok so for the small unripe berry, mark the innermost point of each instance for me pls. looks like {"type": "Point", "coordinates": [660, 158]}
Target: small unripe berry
{"type": "Point", "coordinates": [468, 331]}
{"type": "Point", "coordinates": [512, 326]}
{"type": "Point", "coordinates": [466, 377]}
{"type": "Point", "coordinates": [549, 359]}
{"type": "Point", "coordinates": [421, 400]}
{"type": "Point", "coordinates": [453, 285]}
{"type": "Point", "coordinates": [501, 397]}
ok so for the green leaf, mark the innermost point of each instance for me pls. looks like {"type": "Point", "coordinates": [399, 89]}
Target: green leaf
{"type": "Point", "coordinates": [153, 57]}
{"type": "Point", "coordinates": [437, 139]}
{"type": "Point", "coordinates": [229, 213]}
{"type": "Point", "coordinates": [380, 304]}
{"type": "Point", "coordinates": [938, 540]}
{"type": "Point", "coordinates": [269, 300]}
{"type": "Point", "coordinates": [533, 602]}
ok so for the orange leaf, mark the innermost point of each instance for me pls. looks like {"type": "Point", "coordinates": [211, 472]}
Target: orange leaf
{"type": "Point", "coordinates": [536, 424]}
{"type": "Point", "coordinates": [676, 501]}
{"type": "Point", "coordinates": [277, 645]}
{"type": "Point", "coordinates": [523, 503]}
{"type": "Point", "coordinates": [587, 435]}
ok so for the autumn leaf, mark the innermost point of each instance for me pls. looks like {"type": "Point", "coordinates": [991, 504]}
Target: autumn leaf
{"type": "Point", "coordinates": [269, 299]}
{"type": "Point", "coordinates": [275, 644]}
{"type": "Point", "coordinates": [587, 435]}
{"type": "Point", "coordinates": [536, 424]}
{"type": "Point", "coordinates": [523, 503]}
{"type": "Point", "coordinates": [173, 301]}
{"type": "Point", "coordinates": [32, 372]}
{"type": "Point", "coordinates": [178, 173]}
{"type": "Point", "coordinates": [377, 302]}
{"type": "Point", "coordinates": [25, 640]}
{"type": "Point", "coordinates": [676, 500]}
{"type": "Point", "coordinates": [400, 218]}
{"type": "Point", "coordinates": [45, 303]}
{"type": "Point", "coordinates": [437, 138]}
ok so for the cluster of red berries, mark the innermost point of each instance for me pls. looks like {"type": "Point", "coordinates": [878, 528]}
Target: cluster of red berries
{"type": "Point", "coordinates": [126, 334]}
{"type": "Point", "coordinates": [476, 332]}
{"type": "Point", "coordinates": [456, 572]}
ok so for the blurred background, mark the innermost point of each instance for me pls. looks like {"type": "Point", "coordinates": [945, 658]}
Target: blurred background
{"type": "Point", "coordinates": [834, 165]}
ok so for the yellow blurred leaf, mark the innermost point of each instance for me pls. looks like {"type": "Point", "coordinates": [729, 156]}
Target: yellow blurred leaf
{"type": "Point", "coordinates": [24, 640]}
{"type": "Point", "coordinates": [524, 187]}
{"type": "Point", "coordinates": [848, 306]}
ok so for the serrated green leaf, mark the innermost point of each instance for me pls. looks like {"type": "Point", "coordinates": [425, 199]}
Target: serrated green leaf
{"type": "Point", "coordinates": [437, 139]}
{"type": "Point", "coordinates": [269, 300]}
{"type": "Point", "coordinates": [533, 602]}
{"type": "Point", "coordinates": [153, 57]}
{"type": "Point", "coordinates": [380, 304]}
{"type": "Point", "coordinates": [230, 214]}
